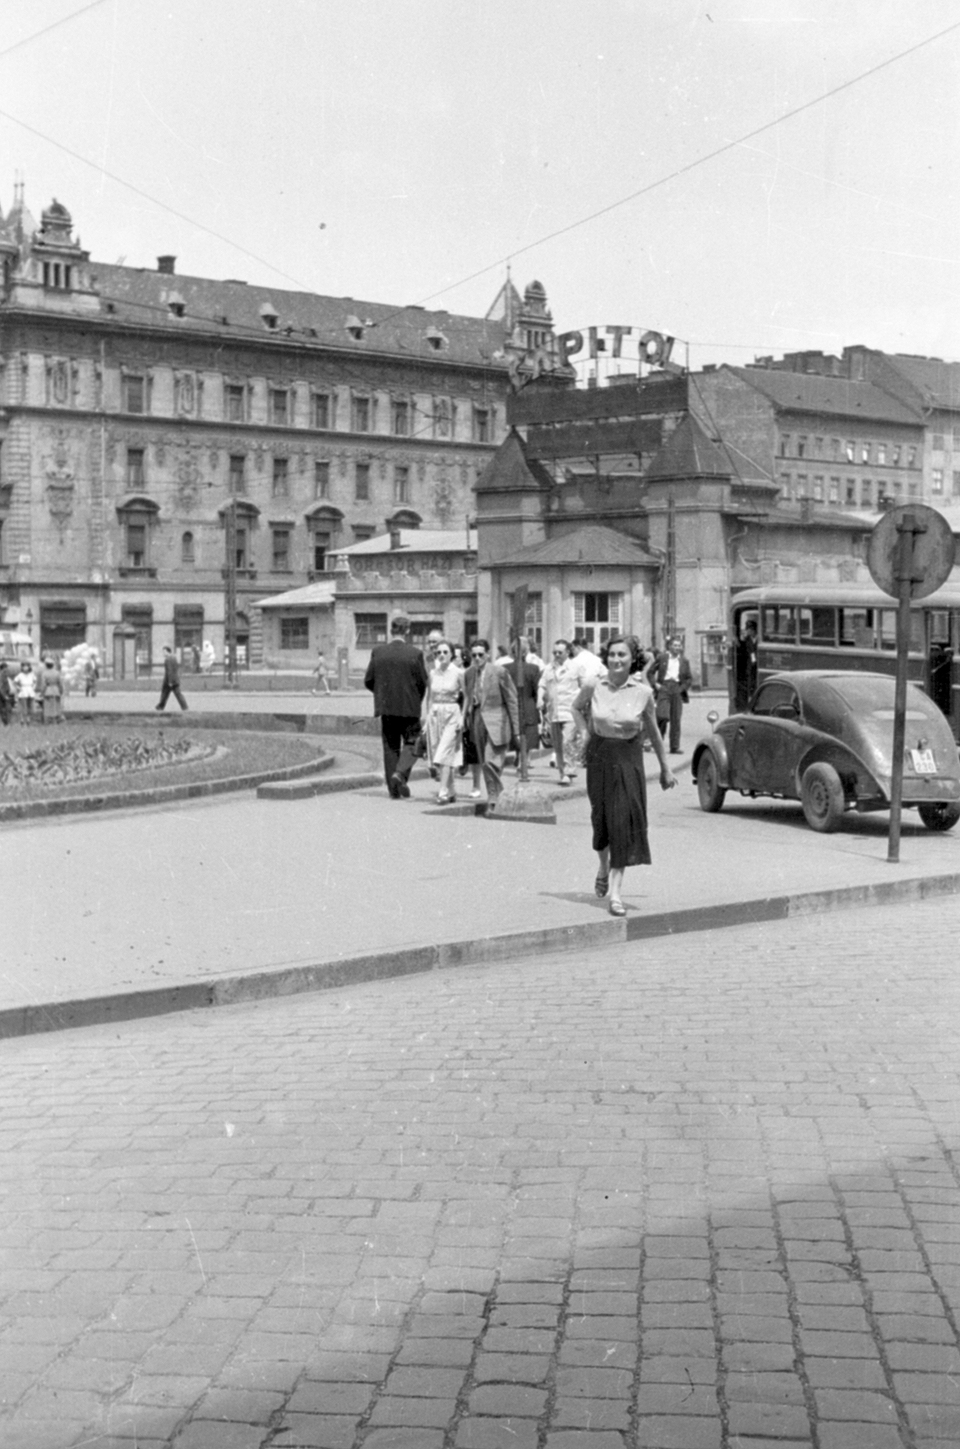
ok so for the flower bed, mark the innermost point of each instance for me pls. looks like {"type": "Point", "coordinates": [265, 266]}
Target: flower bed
{"type": "Point", "coordinates": [74, 760]}
{"type": "Point", "coordinates": [70, 761]}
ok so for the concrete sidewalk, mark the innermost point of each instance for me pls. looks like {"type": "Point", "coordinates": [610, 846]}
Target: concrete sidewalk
{"type": "Point", "coordinates": [209, 902]}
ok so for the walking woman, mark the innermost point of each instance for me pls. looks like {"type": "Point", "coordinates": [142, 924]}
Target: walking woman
{"type": "Point", "coordinates": [616, 711]}
{"type": "Point", "coordinates": [443, 719]}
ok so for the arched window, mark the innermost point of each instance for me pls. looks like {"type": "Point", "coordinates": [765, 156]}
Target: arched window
{"type": "Point", "coordinates": [187, 551]}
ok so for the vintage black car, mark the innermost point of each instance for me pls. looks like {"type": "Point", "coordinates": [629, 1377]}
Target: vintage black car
{"type": "Point", "coordinates": [825, 738]}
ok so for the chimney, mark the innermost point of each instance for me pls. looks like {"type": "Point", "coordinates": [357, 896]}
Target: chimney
{"type": "Point", "coordinates": [394, 536]}
{"type": "Point", "coordinates": [167, 265]}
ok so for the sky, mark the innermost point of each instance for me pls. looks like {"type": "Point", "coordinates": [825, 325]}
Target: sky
{"type": "Point", "coordinates": [408, 151]}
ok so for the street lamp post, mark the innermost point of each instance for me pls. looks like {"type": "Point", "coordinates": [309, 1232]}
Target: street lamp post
{"type": "Point", "coordinates": [230, 595]}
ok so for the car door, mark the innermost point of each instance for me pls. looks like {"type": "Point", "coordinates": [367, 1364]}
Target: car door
{"type": "Point", "coordinates": [769, 741]}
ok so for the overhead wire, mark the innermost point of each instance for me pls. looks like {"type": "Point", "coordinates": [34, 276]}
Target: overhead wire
{"type": "Point", "coordinates": [37, 34]}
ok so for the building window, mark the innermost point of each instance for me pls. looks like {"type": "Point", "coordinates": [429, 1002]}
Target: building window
{"type": "Point", "coordinates": [784, 445]}
{"type": "Point", "coordinates": [235, 397]}
{"type": "Point", "coordinates": [895, 455]}
{"type": "Point", "coordinates": [866, 494]}
{"type": "Point", "coordinates": [936, 480]}
{"type": "Point", "coordinates": [596, 617]}
{"type": "Point", "coordinates": [279, 406]}
{"type": "Point", "coordinates": [370, 629]}
{"type": "Point", "coordinates": [140, 618]}
{"type": "Point", "coordinates": [850, 490]}
{"type": "Point", "coordinates": [321, 479]}
{"type": "Point", "coordinates": [362, 482]}
{"type": "Point", "coordinates": [321, 548]}
{"type": "Point", "coordinates": [882, 454]}
{"type": "Point", "coordinates": [481, 425]}
{"type": "Point", "coordinates": [851, 451]}
{"type": "Point", "coordinates": [401, 418]}
{"type": "Point", "coordinates": [835, 448]}
{"type": "Point", "coordinates": [533, 619]}
{"type": "Point", "coordinates": [241, 540]}
{"type": "Point", "coordinates": [295, 632]}
{"type": "Point", "coordinates": [801, 447]}
{"type": "Point", "coordinates": [281, 477]}
{"type": "Point", "coordinates": [956, 485]}
{"type": "Point", "coordinates": [362, 531]}
{"type": "Point", "coordinates": [134, 393]}
{"type": "Point", "coordinates": [187, 549]}
{"type": "Point", "coordinates": [801, 488]}
{"type": "Point", "coordinates": [280, 550]}
{"type": "Point", "coordinates": [238, 473]}
{"type": "Point", "coordinates": [864, 452]}
{"type": "Point", "coordinates": [818, 490]}
{"type": "Point", "coordinates": [136, 540]}
{"type": "Point", "coordinates": [834, 494]}
{"type": "Point", "coordinates": [321, 410]}
{"type": "Point", "coordinates": [401, 483]}
{"type": "Point", "coordinates": [136, 477]}
{"type": "Point", "coordinates": [785, 487]}
{"type": "Point", "coordinates": [361, 415]}
{"type": "Point", "coordinates": [57, 275]}
{"type": "Point", "coordinates": [911, 457]}
{"type": "Point", "coordinates": [818, 447]}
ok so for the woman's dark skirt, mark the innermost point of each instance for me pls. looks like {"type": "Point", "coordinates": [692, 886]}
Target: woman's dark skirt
{"type": "Point", "coordinates": [618, 799]}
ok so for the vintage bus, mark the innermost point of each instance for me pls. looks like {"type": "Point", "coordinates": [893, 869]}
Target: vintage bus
{"type": "Point", "coordinates": [798, 626]}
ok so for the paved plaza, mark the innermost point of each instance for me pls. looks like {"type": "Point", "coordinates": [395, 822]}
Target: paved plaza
{"type": "Point", "coordinates": [697, 1193]}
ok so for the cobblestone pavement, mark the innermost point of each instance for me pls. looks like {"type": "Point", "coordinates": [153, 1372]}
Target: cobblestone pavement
{"type": "Point", "coordinates": [701, 1194]}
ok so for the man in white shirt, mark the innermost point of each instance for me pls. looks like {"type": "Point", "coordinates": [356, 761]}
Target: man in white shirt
{"type": "Point", "coordinates": [588, 665]}
{"type": "Point", "coordinates": [558, 688]}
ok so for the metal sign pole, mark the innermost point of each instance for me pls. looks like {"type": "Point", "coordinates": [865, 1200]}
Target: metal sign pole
{"type": "Point", "coordinates": [908, 527]}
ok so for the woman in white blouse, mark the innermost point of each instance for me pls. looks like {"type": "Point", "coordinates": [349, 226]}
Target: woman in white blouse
{"type": "Point", "coordinates": [616, 711]}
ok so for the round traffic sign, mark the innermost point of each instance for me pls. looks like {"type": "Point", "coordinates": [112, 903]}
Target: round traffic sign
{"type": "Point", "coordinates": [911, 543]}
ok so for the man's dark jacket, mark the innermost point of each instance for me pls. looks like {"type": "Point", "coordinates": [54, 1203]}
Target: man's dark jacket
{"type": "Point", "coordinates": [398, 677]}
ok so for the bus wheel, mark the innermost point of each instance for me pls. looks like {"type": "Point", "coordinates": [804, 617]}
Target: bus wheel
{"type": "Point", "coordinates": [709, 790]}
{"type": "Point", "coordinates": [821, 795]}
{"type": "Point", "coordinates": [940, 817]}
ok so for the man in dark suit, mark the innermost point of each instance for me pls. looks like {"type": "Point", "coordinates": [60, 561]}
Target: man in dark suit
{"type": "Point", "coordinates": [397, 676]}
{"type": "Point", "coordinates": [490, 715]}
{"type": "Point", "coordinates": [672, 679]}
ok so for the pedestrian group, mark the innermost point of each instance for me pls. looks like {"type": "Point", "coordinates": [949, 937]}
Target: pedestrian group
{"type": "Point", "coordinates": [466, 711]}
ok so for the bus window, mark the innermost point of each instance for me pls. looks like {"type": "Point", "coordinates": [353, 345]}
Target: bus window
{"type": "Point", "coordinates": [818, 625]}
{"type": "Point", "coordinates": [856, 628]}
{"type": "Point", "coordinates": [939, 626]}
{"type": "Point", "coordinates": [888, 630]}
{"type": "Point", "coordinates": [779, 624]}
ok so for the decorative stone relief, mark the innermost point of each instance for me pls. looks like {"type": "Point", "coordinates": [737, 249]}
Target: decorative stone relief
{"type": "Point", "coordinates": [188, 480]}
{"type": "Point", "coordinates": [442, 499]}
{"type": "Point", "coordinates": [184, 393]}
{"type": "Point", "coordinates": [59, 382]}
{"type": "Point", "coordinates": [61, 480]}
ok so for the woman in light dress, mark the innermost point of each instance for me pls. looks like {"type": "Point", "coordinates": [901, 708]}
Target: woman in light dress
{"type": "Point", "coordinates": [442, 719]}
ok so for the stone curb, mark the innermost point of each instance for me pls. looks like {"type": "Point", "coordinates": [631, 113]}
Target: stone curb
{"type": "Point", "coordinates": [405, 961]}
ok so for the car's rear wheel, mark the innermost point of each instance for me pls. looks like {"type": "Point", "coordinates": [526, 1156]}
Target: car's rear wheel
{"type": "Point", "coordinates": [942, 816]}
{"type": "Point", "coordinates": [710, 792]}
{"type": "Point", "coordinates": [821, 795]}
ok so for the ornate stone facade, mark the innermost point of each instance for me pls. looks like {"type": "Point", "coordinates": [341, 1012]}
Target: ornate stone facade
{"type": "Point", "coordinates": [135, 405]}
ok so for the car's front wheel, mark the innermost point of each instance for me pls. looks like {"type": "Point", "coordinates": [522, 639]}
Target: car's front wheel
{"type": "Point", "coordinates": [942, 816]}
{"type": "Point", "coordinates": [821, 795]}
{"type": "Point", "coordinates": [710, 792]}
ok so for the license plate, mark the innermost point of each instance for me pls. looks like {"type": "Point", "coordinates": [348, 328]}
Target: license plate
{"type": "Point", "coordinates": [923, 762]}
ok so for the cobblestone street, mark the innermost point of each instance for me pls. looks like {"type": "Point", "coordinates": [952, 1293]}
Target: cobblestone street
{"type": "Point", "coordinates": [699, 1193]}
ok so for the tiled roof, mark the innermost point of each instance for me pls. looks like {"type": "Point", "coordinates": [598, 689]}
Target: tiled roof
{"type": "Point", "coordinates": [236, 309]}
{"type": "Point", "coordinates": [689, 453]}
{"type": "Point", "coordinates": [938, 382]}
{"type": "Point", "coordinates": [804, 392]}
{"type": "Point", "coordinates": [590, 545]}
{"type": "Point", "coordinates": [417, 540]}
{"type": "Point", "coordinates": [310, 596]}
{"type": "Point", "coordinates": [512, 468]}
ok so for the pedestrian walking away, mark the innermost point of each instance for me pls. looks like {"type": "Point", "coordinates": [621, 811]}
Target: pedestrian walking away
{"type": "Point", "coordinates": [320, 674]}
{"type": "Point", "coordinates": [491, 715]}
{"type": "Point", "coordinates": [397, 677]}
{"type": "Point", "coordinates": [444, 720]}
{"type": "Point", "coordinates": [51, 692]}
{"type": "Point", "coordinates": [171, 680]}
{"type": "Point", "coordinates": [672, 679]}
{"type": "Point", "coordinates": [616, 710]}
{"type": "Point", "coordinates": [91, 673]}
